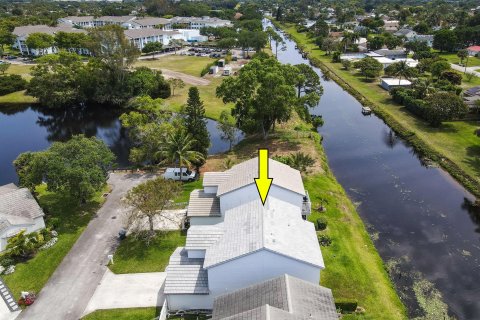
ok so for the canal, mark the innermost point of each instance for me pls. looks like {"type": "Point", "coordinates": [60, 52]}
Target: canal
{"type": "Point", "coordinates": [417, 215]}
{"type": "Point", "coordinates": [33, 128]}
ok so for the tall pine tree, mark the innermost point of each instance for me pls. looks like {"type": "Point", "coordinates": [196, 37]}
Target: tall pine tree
{"type": "Point", "coordinates": [196, 125]}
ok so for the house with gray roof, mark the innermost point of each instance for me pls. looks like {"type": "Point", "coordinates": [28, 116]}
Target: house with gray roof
{"type": "Point", "coordinates": [281, 298]}
{"type": "Point", "coordinates": [18, 211]}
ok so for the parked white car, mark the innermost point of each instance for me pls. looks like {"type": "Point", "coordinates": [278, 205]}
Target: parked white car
{"type": "Point", "coordinates": [174, 174]}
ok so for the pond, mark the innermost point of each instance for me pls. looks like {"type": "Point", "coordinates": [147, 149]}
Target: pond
{"type": "Point", "coordinates": [418, 215]}
{"type": "Point", "coordinates": [32, 129]}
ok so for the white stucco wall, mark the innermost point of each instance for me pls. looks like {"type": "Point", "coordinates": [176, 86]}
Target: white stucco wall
{"type": "Point", "coordinates": [248, 193]}
{"type": "Point", "coordinates": [210, 189]}
{"type": "Point", "coordinates": [196, 254]}
{"type": "Point", "coordinates": [257, 267]}
{"type": "Point", "coordinates": [198, 221]}
{"type": "Point", "coordinates": [12, 230]}
{"type": "Point", "coordinates": [189, 301]}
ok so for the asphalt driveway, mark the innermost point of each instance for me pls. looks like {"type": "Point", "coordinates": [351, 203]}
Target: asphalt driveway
{"type": "Point", "coordinates": [67, 293]}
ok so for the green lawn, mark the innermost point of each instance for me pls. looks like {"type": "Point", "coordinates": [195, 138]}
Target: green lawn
{"type": "Point", "coordinates": [191, 65]}
{"type": "Point", "coordinates": [19, 97]}
{"type": "Point", "coordinates": [353, 268]}
{"type": "Point", "coordinates": [188, 187]}
{"type": "Point", "coordinates": [133, 256]}
{"type": "Point", "coordinates": [455, 141]}
{"type": "Point", "coordinates": [452, 58]}
{"type": "Point", "coordinates": [20, 69]}
{"type": "Point", "coordinates": [213, 105]}
{"type": "Point", "coordinates": [133, 314]}
{"type": "Point", "coordinates": [33, 274]}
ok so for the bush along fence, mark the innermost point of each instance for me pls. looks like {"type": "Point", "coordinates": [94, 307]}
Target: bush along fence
{"type": "Point", "coordinates": [422, 149]}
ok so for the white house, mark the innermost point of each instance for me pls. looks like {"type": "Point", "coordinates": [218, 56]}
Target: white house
{"type": "Point", "coordinates": [390, 83]}
{"type": "Point", "coordinates": [234, 241]}
{"type": "Point", "coordinates": [140, 37]}
{"type": "Point", "coordinates": [18, 211]}
{"type": "Point", "coordinates": [407, 33]}
{"type": "Point", "coordinates": [23, 32]}
{"type": "Point", "coordinates": [284, 297]}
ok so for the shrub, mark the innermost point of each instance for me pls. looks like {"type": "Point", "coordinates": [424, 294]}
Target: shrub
{"type": "Point", "coordinates": [53, 222]}
{"type": "Point", "coordinates": [347, 64]}
{"type": "Point", "coordinates": [317, 121]}
{"type": "Point", "coordinates": [321, 224]}
{"type": "Point", "coordinates": [6, 261]}
{"type": "Point", "coordinates": [336, 56]}
{"type": "Point", "coordinates": [452, 76]}
{"type": "Point", "coordinates": [324, 240]}
{"type": "Point", "coordinates": [207, 68]}
{"type": "Point", "coordinates": [11, 83]}
{"type": "Point", "coordinates": [346, 305]}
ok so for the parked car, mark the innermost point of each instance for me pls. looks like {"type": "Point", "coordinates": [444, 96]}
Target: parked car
{"type": "Point", "coordinates": [174, 174]}
{"type": "Point", "coordinates": [1, 61]}
{"type": "Point", "coordinates": [11, 57]}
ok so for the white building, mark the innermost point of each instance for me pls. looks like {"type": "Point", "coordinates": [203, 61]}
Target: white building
{"type": "Point", "coordinates": [198, 22]}
{"type": "Point", "coordinates": [140, 37]}
{"type": "Point", "coordinates": [23, 32]}
{"type": "Point", "coordinates": [91, 21]}
{"type": "Point", "coordinates": [147, 23]}
{"type": "Point", "coordinates": [234, 241]}
{"type": "Point", "coordinates": [18, 211]}
{"type": "Point", "coordinates": [390, 83]}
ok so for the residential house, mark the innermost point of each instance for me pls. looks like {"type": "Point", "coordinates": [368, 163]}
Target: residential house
{"type": "Point", "coordinates": [473, 50]}
{"type": "Point", "coordinates": [140, 37]}
{"type": "Point", "coordinates": [392, 54]}
{"type": "Point", "coordinates": [234, 241]}
{"type": "Point", "coordinates": [427, 38]}
{"type": "Point", "coordinates": [284, 297]}
{"type": "Point", "coordinates": [18, 211]}
{"type": "Point", "coordinates": [23, 32]}
{"type": "Point", "coordinates": [390, 83]}
{"type": "Point", "coordinates": [406, 33]}
{"type": "Point", "coordinates": [391, 25]}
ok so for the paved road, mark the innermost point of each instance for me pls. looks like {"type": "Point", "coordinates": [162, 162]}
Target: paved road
{"type": "Point", "coordinates": [67, 293]}
{"type": "Point", "coordinates": [462, 69]}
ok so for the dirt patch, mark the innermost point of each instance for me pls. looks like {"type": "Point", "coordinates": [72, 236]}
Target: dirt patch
{"type": "Point", "coordinates": [196, 81]}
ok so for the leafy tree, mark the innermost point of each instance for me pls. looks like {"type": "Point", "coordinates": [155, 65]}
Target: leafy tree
{"type": "Point", "coordinates": [149, 200]}
{"type": "Point", "coordinates": [176, 83]}
{"type": "Point", "coordinates": [320, 28]}
{"type": "Point", "coordinates": [11, 83]}
{"type": "Point", "coordinates": [369, 67]}
{"type": "Point", "coordinates": [376, 43]}
{"type": "Point", "coordinates": [148, 125]}
{"type": "Point", "coordinates": [421, 28]}
{"type": "Point", "coordinates": [55, 80]}
{"type": "Point", "coordinates": [175, 43]}
{"type": "Point", "coordinates": [445, 40]}
{"type": "Point", "coordinates": [274, 36]}
{"type": "Point", "coordinates": [309, 89]}
{"type": "Point", "coordinates": [178, 150]}
{"type": "Point", "coordinates": [21, 245]}
{"type": "Point", "coordinates": [152, 47]}
{"type": "Point", "coordinates": [70, 41]}
{"type": "Point", "coordinates": [349, 38]}
{"type": "Point", "coordinates": [227, 43]}
{"type": "Point", "coordinates": [6, 37]}
{"type": "Point", "coordinates": [393, 42]}
{"type": "Point", "coordinates": [4, 67]}
{"type": "Point", "coordinates": [196, 125]}
{"type": "Point", "coordinates": [462, 54]}
{"type": "Point", "coordinates": [78, 166]}
{"type": "Point", "coordinates": [264, 94]}
{"type": "Point", "coordinates": [226, 126]}
{"type": "Point", "coordinates": [416, 46]}
{"type": "Point", "coordinates": [444, 106]}
{"type": "Point", "coordinates": [438, 67]}
{"type": "Point", "coordinates": [39, 41]}
{"type": "Point", "coordinates": [347, 64]}
{"type": "Point", "coordinates": [329, 45]}
{"type": "Point", "coordinates": [146, 81]}
{"type": "Point", "coordinates": [452, 76]}
{"type": "Point", "coordinates": [400, 69]}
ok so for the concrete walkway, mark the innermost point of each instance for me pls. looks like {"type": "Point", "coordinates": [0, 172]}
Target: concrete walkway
{"type": "Point", "coordinates": [462, 69]}
{"type": "Point", "coordinates": [134, 290]}
{"type": "Point", "coordinates": [69, 289]}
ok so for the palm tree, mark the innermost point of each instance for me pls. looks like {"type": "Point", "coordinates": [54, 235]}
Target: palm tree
{"type": "Point", "coordinates": [175, 43]}
{"type": "Point", "coordinates": [402, 70]}
{"type": "Point", "coordinates": [423, 88]}
{"type": "Point", "coordinates": [177, 149]}
{"type": "Point", "coordinates": [349, 38]}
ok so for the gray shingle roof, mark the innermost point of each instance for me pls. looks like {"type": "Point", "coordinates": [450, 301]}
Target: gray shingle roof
{"type": "Point", "coordinates": [212, 179]}
{"type": "Point", "coordinates": [19, 203]}
{"type": "Point", "coordinates": [203, 236]}
{"type": "Point", "coordinates": [8, 188]}
{"type": "Point", "coordinates": [276, 227]}
{"type": "Point", "coordinates": [152, 21]}
{"type": "Point", "coordinates": [24, 31]}
{"type": "Point", "coordinates": [203, 204]}
{"type": "Point", "coordinates": [243, 174]}
{"type": "Point", "coordinates": [282, 298]}
{"type": "Point", "coordinates": [185, 275]}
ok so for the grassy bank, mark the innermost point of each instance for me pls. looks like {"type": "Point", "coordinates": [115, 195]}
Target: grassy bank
{"type": "Point", "coordinates": [73, 219]}
{"type": "Point", "coordinates": [133, 256]}
{"type": "Point", "coordinates": [453, 145]}
{"type": "Point", "coordinates": [191, 65]}
{"type": "Point", "coordinates": [134, 314]}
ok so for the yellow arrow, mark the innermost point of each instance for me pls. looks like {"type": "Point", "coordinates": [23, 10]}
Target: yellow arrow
{"type": "Point", "coordinates": [263, 182]}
